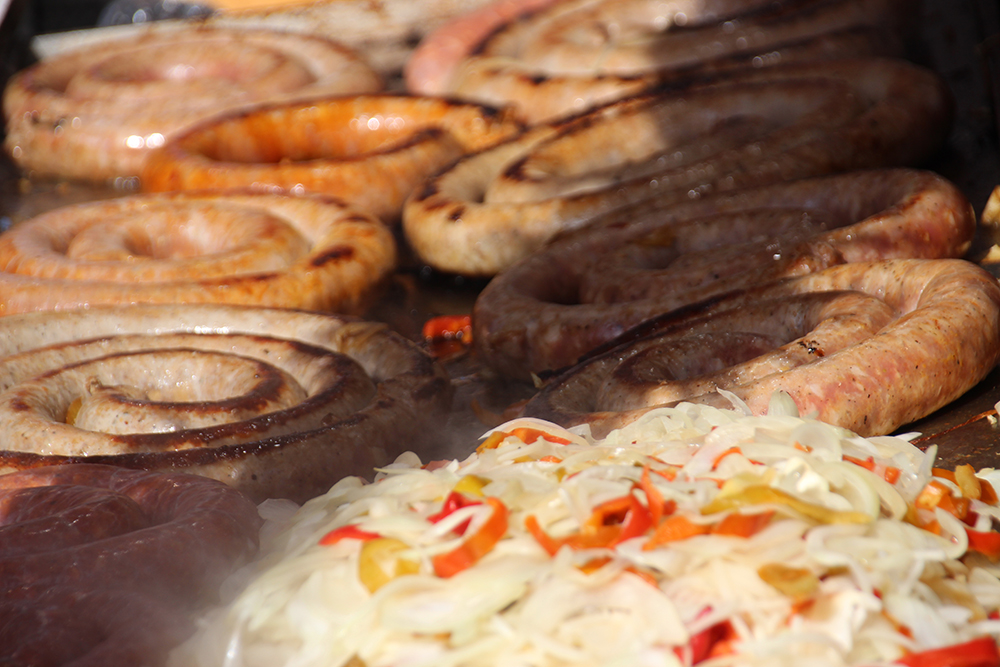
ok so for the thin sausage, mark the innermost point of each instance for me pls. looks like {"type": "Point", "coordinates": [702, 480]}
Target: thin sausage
{"type": "Point", "coordinates": [431, 65]}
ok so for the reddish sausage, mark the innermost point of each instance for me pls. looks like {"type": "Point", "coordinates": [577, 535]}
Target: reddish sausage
{"type": "Point", "coordinates": [942, 337]}
{"type": "Point", "coordinates": [591, 285]}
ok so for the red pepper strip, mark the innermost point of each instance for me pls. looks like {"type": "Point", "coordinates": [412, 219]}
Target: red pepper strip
{"type": "Point", "coordinates": [449, 327]}
{"type": "Point", "coordinates": [613, 522]}
{"type": "Point", "coordinates": [986, 543]}
{"type": "Point", "coordinates": [476, 545]}
{"type": "Point", "coordinates": [348, 532]}
{"type": "Point", "coordinates": [944, 473]}
{"type": "Point", "coordinates": [637, 520]}
{"type": "Point", "coordinates": [654, 499]}
{"type": "Point", "coordinates": [492, 441]}
{"type": "Point", "coordinates": [988, 494]}
{"type": "Point", "coordinates": [547, 542]}
{"type": "Point", "coordinates": [718, 459]}
{"type": "Point", "coordinates": [706, 643]}
{"type": "Point", "coordinates": [743, 525]}
{"type": "Point", "coordinates": [673, 528]}
{"type": "Point", "coordinates": [867, 464]}
{"type": "Point", "coordinates": [889, 473]}
{"type": "Point", "coordinates": [957, 507]}
{"type": "Point", "coordinates": [524, 434]}
{"type": "Point", "coordinates": [530, 435]}
{"type": "Point", "coordinates": [454, 501]}
{"type": "Point", "coordinates": [981, 652]}
{"type": "Point", "coordinates": [609, 524]}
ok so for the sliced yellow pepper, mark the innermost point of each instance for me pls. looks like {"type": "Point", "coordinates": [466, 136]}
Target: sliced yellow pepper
{"type": "Point", "coordinates": [380, 562]}
{"type": "Point", "coordinates": [765, 495]}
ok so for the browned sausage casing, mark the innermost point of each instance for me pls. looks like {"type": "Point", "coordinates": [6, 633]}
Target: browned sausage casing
{"type": "Point", "coordinates": [497, 206]}
{"type": "Point", "coordinates": [100, 565]}
{"type": "Point", "coordinates": [277, 403]}
{"type": "Point", "coordinates": [367, 150]}
{"type": "Point", "coordinates": [219, 247]}
{"type": "Point", "coordinates": [96, 112]}
{"type": "Point", "coordinates": [591, 285]}
{"type": "Point", "coordinates": [571, 55]}
{"type": "Point", "coordinates": [866, 346]}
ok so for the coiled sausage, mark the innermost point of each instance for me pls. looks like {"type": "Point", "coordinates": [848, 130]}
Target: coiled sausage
{"type": "Point", "coordinates": [589, 286]}
{"type": "Point", "coordinates": [923, 333]}
{"type": "Point", "coordinates": [497, 206]}
{"type": "Point", "coordinates": [277, 403]}
{"type": "Point", "coordinates": [226, 247]}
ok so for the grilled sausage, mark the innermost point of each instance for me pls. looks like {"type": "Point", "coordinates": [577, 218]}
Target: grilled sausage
{"type": "Point", "coordinates": [95, 113]}
{"type": "Point", "coordinates": [941, 338]}
{"type": "Point", "coordinates": [227, 247]}
{"type": "Point", "coordinates": [497, 206]}
{"type": "Point", "coordinates": [303, 400]}
{"type": "Point", "coordinates": [589, 286]}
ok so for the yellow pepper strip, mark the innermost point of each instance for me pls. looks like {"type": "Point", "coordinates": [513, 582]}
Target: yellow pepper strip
{"type": "Point", "coordinates": [471, 485]}
{"type": "Point", "coordinates": [761, 495]}
{"type": "Point", "coordinates": [794, 582]}
{"type": "Point", "coordinates": [379, 562]}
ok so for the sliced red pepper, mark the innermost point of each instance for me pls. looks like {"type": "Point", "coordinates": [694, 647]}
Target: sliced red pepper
{"type": "Point", "coordinates": [348, 532]}
{"type": "Point", "coordinates": [476, 545]}
{"type": "Point", "coordinates": [944, 474]}
{"type": "Point", "coordinates": [957, 507]}
{"type": "Point", "coordinates": [980, 652]}
{"type": "Point", "coordinates": [449, 327]}
{"type": "Point", "coordinates": [986, 543]}
{"type": "Point", "coordinates": [529, 435]}
{"type": "Point", "coordinates": [448, 335]}
{"type": "Point", "coordinates": [609, 524]}
{"type": "Point", "coordinates": [988, 494]}
{"type": "Point", "coordinates": [654, 499]}
{"type": "Point", "coordinates": [547, 542]}
{"type": "Point", "coordinates": [525, 434]}
{"type": "Point", "coordinates": [743, 525]}
{"type": "Point", "coordinates": [718, 459]}
{"type": "Point", "coordinates": [710, 642]}
{"type": "Point", "coordinates": [867, 464]}
{"type": "Point", "coordinates": [889, 473]}
{"type": "Point", "coordinates": [454, 501]}
{"type": "Point", "coordinates": [673, 528]}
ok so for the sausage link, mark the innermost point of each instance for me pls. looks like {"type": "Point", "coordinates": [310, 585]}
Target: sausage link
{"type": "Point", "coordinates": [357, 394]}
{"type": "Point", "coordinates": [943, 338]}
{"type": "Point", "coordinates": [497, 206]}
{"type": "Point", "coordinates": [96, 112]}
{"type": "Point", "coordinates": [369, 151]}
{"type": "Point", "coordinates": [226, 247]}
{"type": "Point", "coordinates": [572, 55]}
{"type": "Point", "coordinates": [589, 286]}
